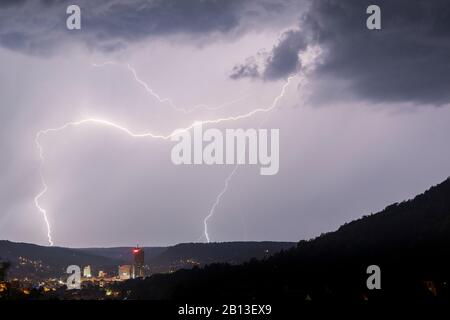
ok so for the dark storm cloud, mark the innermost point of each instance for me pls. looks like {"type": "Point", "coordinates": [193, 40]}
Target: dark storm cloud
{"type": "Point", "coordinates": [7, 3]}
{"type": "Point", "coordinates": [282, 61]}
{"type": "Point", "coordinates": [110, 24]}
{"type": "Point", "coordinates": [249, 69]}
{"type": "Point", "coordinates": [165, 17]}
{"type": "Point", "coordinates": [284, 58]}
{"type": "Point", "coordinates": [407, 61]}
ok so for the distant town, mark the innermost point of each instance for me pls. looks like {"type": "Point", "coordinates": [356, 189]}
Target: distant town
{"type": "Point", "coordinates": [105, 269]}
{"type": "Point", "coordinates": [95, 284]}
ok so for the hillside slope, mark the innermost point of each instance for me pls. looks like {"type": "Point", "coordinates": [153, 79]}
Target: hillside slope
{"type": "Point", "coordinates": [410, 242]}
{"type": "Point", "coordinates": [36, 261]}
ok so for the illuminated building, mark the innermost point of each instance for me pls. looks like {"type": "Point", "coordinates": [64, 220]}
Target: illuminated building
{"type": "Point", "coordinates": [87, 272]}
{"type": "Point", "coordinates": [138, 265]}
{"type": "Point", "coordinates": [102, 274]}
{"type": "Point", "coordinates": [125, 272]}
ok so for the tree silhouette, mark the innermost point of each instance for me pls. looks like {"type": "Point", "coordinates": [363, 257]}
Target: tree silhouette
{"type": "Point", "coordinates": [3, 268]}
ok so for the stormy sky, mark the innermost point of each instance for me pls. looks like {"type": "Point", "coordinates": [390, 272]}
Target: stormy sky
{"type": "Point", "coordinates": [364, 122]}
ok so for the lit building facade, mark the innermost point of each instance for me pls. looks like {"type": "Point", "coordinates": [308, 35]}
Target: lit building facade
{"type": "Point", "coordinates": [125, 272]}
{"type": "Point", "coordinates": [138, 265]}
{"type": "Point", "coordinates": [87, 272]}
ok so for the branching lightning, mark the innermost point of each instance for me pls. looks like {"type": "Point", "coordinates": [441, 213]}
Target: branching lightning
{"type": "Point", "coordinates": [229, 177]}
{"type": "Point", "coordinates": [107, 123]}
{"type": "Point", "coordinates": [169, 101]}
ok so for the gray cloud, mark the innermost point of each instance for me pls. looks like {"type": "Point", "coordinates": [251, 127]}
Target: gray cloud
{"type": "Point", "coordinates": [38, 26]}
{"type": "Point", "coordinates": [279, 63]}
{"type": "Point", "coordinates": [249, 69]}
{"type": "Point", "coordinates": [8, 3]}
{"type": "Point", "coordinates": [406, 61]}
{"type": "Point", "coordinates": [284, 58]}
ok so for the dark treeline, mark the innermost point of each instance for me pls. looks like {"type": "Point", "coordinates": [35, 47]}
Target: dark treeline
{"type": "Point", "coordinates": [4, 266]}
{"type": "Point", "coordinates": [409, 241]}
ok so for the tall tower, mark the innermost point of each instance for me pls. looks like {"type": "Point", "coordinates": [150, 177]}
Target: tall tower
{"type": "Point", "coordinates": [87, 272]}
{"type": "Point", "coordinates": [138, 266]}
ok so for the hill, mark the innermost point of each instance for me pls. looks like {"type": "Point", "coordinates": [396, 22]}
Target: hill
{"type": "Point", "coordinates": [187, 255]}
{"type": "Point", "coordinates": [124, 253]}
{"type": "Point", "coordinates": [409, 241]}
{"type": "Point", "coordinates": [39, 262]}
{"type": "Point", "coordinates": [231, 252]}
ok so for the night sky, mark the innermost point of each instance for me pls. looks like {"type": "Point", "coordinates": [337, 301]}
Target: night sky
{"type": "Point", "coordinates": [363, 123]}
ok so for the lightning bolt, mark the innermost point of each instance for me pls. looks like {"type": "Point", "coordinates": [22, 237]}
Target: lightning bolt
{"type": "Point", "coordinates": [169, 101]}
{"type": "Point", "coordinates": [303, 82]}
{"type": "Point", "coordinates": [132, 134]}
{"type": "Point", "coordinates": [227, 182]}
{"type": "Point", "coordinates": [44, 190]}
{"type": "Point", "coordinates": [216, 203]}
